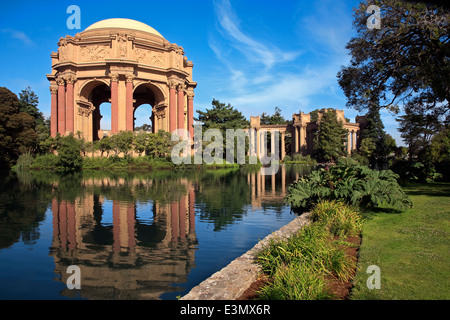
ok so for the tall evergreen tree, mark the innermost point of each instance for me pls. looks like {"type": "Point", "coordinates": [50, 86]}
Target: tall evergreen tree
{"type": "Point", "coordinates": [221, 117]}
{"type": "Point", "coordinates": [384, 143]}
{"type": "Point", "coordinates": [28, 102]}
{"type": "Point", "coordinates": [17, 133]}
{"type": "Point", "coordinates": [330, 137]}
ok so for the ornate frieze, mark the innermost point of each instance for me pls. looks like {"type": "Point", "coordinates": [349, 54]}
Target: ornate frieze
{"type": "Point", "coordinates": [95, 52]}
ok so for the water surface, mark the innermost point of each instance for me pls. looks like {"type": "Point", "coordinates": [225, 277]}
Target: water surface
{"type": "Point", "coordinates": [133, 235]}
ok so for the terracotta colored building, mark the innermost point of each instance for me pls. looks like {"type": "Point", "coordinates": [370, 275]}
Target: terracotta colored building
{"type": "Point", "coordinates": [126, 63]}
{"type": "Point", "coordinates": [301, 130]}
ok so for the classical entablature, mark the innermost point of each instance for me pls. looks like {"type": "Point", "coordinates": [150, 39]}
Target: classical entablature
{"type": "Point", "coordinates": [302, 129]}
{"type": "Point", "coordinates": [126, 63]}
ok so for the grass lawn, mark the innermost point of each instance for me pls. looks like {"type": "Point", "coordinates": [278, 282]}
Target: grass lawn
{"type": "Point", "coordinates": [412, 248]}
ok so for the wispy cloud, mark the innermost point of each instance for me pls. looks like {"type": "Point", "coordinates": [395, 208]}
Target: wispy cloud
{"type": "Point", "coordinates": [260, 75]}
{"type": "Point", "coordinates": [19, 35]}
{"type": "Point", "coordinates": [255, 50]}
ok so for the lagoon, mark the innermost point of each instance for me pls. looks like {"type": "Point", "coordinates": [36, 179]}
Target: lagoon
{"type": "Point", "coordinates": [134, 235]}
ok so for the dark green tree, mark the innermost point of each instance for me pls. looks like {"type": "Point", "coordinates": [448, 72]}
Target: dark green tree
{"type": "Point", "coordinates": [276, 118]}
{"type": "Point", "coordinates": [17, 133]}
{"type": "Point", "coordinates": [69, 154]}
{"type": "Point", "coordinates": [222, 117]}
{"type": "Point", "coordinates": [374, 130]}
{"type": "Point", "coordinates": [405, 60]}
{"type": "Point", "coordinates": [330, 138]}
{"type": "Point", "coordinates": [28, 102]}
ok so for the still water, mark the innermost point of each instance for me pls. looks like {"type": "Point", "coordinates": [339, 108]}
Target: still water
{"type": "Point", "coordinates": [132, 235]}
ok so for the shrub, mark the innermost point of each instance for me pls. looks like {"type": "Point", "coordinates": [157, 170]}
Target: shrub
{"type": "Point", "coordinates": [45, 161]}
{"type": "Point", "coordinates": [24, 161]}
{"type": "Point", "coordinates": [69, 156]}
{"type": "Point", "coordinates": [337, 217]}
{"type": "Point", "coordinates": [355, 185]}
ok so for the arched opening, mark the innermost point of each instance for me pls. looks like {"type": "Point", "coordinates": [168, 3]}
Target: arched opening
{"type": "Point", "coordinates": [143, 118]}
{"type": "Point", "coordinates": [144, 99]}
{"type": "Point", "coordinates": [105, 119]}
{"type": "Point", "coordinates": [98, 94]}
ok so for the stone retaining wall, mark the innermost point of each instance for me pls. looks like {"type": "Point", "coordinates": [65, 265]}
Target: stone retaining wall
{"type": "Point", "coordinates": [231, 282]}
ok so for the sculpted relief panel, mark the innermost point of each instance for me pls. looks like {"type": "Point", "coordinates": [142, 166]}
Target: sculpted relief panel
{"type": "Point", "coordinates": [95, 52]}
{"type": "Point", "coordinates": [150, 57]}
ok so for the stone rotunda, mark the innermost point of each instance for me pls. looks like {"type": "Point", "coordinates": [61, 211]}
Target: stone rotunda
{"type": "Point", "coordinates": [126, 63]}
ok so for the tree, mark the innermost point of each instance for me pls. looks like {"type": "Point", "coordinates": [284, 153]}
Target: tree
{"type": "Point", "coordinates": [405, 61]}
{"type": "Point", "coordinates": [374, 130]}
{"type": "Point", "coordinates": [330, 137]}
{"type": "Point", "coordinates": [28, 102]}
{"type": "Point", "coordinates": [222, 117]}
{"type": "Point", "coordinates": [105, 145]}
{"type": "Point", "coordinates": [122, 142]}
{"type": "Point", "coordinates": [17, 133]}
{"type": "Point", "coordinates": [417, 128]}
{"type": "Point", "coordinates": [153, 144]}
{"type": "Point", "coordinates": [276, 118]}
{"type": "Point", "coordinates": [69, 155]}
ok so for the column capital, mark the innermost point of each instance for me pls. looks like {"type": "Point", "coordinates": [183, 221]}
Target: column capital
{"type": "Point", "coordinates": [53, 89]}
{"type": "Point", "coordinates": [129, 78]}
{"type": "Point", "coordinates": [172, 84]}
{"type": "Point", "coordinates": [114, 77]}
{"type": "Point", "coordinates": [181, 87]}
{"type": "Point", "coordinates": [60, 81]}
{"type": "Point", "coordinates": [190, 95]}
{"type": "Point", "coordinates": [70, 79]}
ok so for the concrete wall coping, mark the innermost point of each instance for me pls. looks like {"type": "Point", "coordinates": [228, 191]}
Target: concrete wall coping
{"type": "Point", "coordinates": [230, 282]}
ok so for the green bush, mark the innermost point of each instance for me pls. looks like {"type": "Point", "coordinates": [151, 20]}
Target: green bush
{"type": "Point", "coordinates": [24, 161]}
{"type": "Point", "coordinates": [46, 161]}
{"type": "Point", "coordinates": [69, 155]}
{"type": "Point", "coordinates": [355, 185]}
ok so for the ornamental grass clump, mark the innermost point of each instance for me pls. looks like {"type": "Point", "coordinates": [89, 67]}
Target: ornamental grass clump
{"type": "Point", "coordinates": [337, 217]}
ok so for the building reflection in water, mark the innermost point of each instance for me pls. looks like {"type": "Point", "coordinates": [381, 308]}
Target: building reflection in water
{"type": "Point", "coordinates": [139, 255]}
{"type": "Point", "coordinates": [130, 244]}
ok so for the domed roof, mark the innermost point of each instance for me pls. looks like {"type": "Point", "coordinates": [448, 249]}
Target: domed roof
{"type": "Point", "coordinates": [123, 24]}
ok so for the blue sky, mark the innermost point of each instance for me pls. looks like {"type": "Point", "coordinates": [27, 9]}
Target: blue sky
{"type": "Point", "coordinates": [255, 55]}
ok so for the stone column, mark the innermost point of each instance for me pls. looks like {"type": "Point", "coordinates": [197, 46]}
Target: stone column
{"type": "Point", "coordinates": [172, 107]}
{"type": "Point", "coordinates": [129, 102]}
{"type": "Point", "coordinates": [303, 145]}
{"type": "Point", "coordinates": [54, 111]}
{"type": "Point", "coordinates": [114, 103]}
{"type": "Point", "coordinates": [296, 149]}
{"type": "Point", "coordinates": [61, 106]}
{"type": "Point", "coordinates": [190, 114]}
{"type": "Point", "coordinates": [283, 146]}
{"type": "Point", "coordinates": [349, 143]}
{"type": "Point", "coordinates": [180, 107]}
{"type": "Point", "coordinates": [272, 143]}
{"type": "Point", "coordinates": [354, 141]}
{"type": "Point", "coordinates": [70, 105]}
{"type": "Point", "coordinates": [258, 143]}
